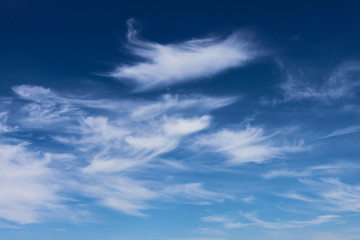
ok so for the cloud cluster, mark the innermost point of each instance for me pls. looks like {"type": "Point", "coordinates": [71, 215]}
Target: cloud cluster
{"type": "Point", "coordinates": [108, 143]}
{"type": "Point", "coordinates": [170, 64]}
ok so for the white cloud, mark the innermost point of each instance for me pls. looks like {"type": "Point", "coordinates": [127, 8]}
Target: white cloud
{"type": "Point", "coordinates": [286, 173]}
{"type": "Point", "coordinates": [329, 194]}
{"type": "Point", "coordinates": [174, 103]}
{"type": "Point", "coordinates": [120, 193]}
{"type": "Point", "coordinates": [344, 131]}
{"type": "Point", "coordinates": [248, 199]}
{"type": "Point", "coordinates": [110, 165]}
{"type": "Point", "coordinates": [335, 167]}
{"type": "Point", "coordinates": [134, 146]}
{"type": "Point", "coordinates": [28, 187]}
{"type": "Point", "coordinates": [331, 168]}
{"type": "Point", "coordinates": [335, 195]}
{"type": "Point", "coordinates": [253, 220]}
{"type": "Point", "coordinates": [342, 83]}
{"type": "Point", "coordinates": [218, 219]}
{"type": "Point", "coordinates": [169, 64]}
{"type": "Point", "coordinates": [195, 193]}
{"type": "Point", "coordinates": [180, 126]}
{"type": "Point", "coordinates": [44, 107]}
{"type": "Point", "coordinates": [34, 93]}
{"type": "Point", "coordinates": [348, 234]}
{"type": "Point", "coordinates": [247, 145]}
{"type": "Point", "coordinates": [297, 196]}
{"type": "Point", "coordinates": [47, 107]}
{"type": "Point", "coordinates": [3, 123]}
{"type": "Point", "coordinates": [99, 131]}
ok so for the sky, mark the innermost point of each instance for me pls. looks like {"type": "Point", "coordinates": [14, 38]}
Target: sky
{"type": "Point", "coordinates": [179, 120]}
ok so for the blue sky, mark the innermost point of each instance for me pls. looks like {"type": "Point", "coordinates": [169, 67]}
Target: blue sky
{"type": "Point", "coordinates": [179, 121]}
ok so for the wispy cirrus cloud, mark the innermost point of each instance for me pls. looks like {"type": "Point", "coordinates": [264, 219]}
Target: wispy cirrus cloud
{"type": "Point", "coordinates": [192, 60]}
{"type": "Point", "coordinates": [343, 82]}
{"type": "Point", "coordinates": [250, 144]}
{"type": "Point", "coordinates": [195, 193]}
{"type": "Point", "coordinates": [343, 131]}
{"type": "Point", "coordinates": [46, 106]}
{"type": "Point", "coordinates": [251, 219]}
{"type": "Point", "coordinates": [134, 145]}
{"type": "Point", "coordinates": [254, 220]}
{"type": "Point", "coordinates": [312, 85]}
{"type": "Point", "coordinates": [220, 219]}
{"type": "Point", "coordinates": [3, 123]}
{"type": "Point", "coordinates": [297, 196]}
{"type": "Point", "coordinates": [286, 173]}
{"type": "Point", "coordinates": [29, 188]}
{"type": "Point", "coordinates": [332, 194]}
{"type": "Point", "coordinates": [123, 194]}
{"type": "Point", "coordinates": [328, 194]}
{"type": "Point", "coordinates": [174, 103]}
{"type": "Point", "coordinates": [331, 168]}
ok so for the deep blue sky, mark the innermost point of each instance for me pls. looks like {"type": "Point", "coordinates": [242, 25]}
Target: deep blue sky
{"type": "Point", "coordinates": [66, 40]}
{"type": "Point", "coordinates": [188, 120]}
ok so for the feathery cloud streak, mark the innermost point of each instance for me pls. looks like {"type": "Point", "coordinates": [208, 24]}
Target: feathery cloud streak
{"type": "Point", "coordinates": [329, 194]}
{"type": "Point", "coordinates": [336, 195]}
{"type": "Point", "coordinates": [344, 131]}
{"type": "Point", "coordinates": [343, 82]}
{"type": "Point", "coordinates": [251, 219]}
{"type": "Point", "coordinates": [192, 60]}
{"type": "Point", "coordinates": [246, 145]}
